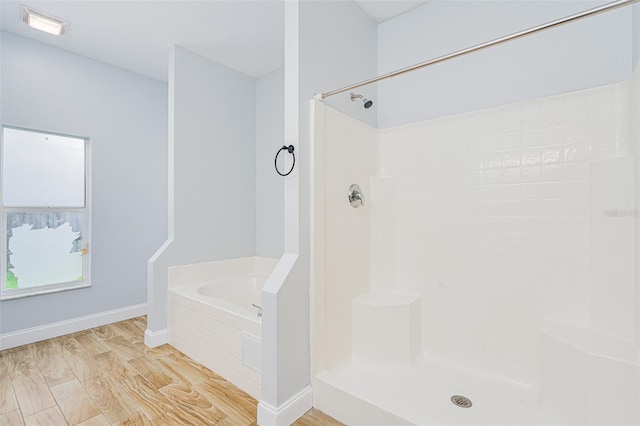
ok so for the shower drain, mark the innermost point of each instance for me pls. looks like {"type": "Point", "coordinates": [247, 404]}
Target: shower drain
{"type": "Point", "coordinates": [461, 401]}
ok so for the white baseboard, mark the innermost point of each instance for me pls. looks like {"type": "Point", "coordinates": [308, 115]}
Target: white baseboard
{"type": "Point", "coordinates": [48, 331]}
{"type": "Point", "coordinates": [154, 339]}
{"type": "Point", "coordinates": [288, 412]}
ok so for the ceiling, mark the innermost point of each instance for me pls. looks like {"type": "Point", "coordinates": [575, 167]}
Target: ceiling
{"type": "Point", "coordinates": [247, 36]}
{"type": "Point", "coordinates": [382, 10]}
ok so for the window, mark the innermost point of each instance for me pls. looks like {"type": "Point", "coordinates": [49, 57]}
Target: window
{"type": "Point", "coordinates": [44, 213]}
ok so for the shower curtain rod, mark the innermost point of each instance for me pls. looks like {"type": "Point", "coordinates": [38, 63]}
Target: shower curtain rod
{"type": "Point", "coordinates": [567, 19]}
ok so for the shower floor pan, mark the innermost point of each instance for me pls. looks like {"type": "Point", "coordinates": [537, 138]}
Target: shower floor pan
{"type": "Point", "coordinates": [421, 395]}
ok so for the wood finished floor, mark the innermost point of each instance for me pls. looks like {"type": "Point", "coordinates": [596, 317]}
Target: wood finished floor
{"type": "Point", "coordinates": [107, 376]}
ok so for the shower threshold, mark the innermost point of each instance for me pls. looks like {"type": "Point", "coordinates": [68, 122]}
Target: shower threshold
{"type": "Point", "coordinates": [422, 394]}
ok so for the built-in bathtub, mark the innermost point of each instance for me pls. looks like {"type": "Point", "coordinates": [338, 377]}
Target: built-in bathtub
{"type": "Point", "coordinates": [212, 319]}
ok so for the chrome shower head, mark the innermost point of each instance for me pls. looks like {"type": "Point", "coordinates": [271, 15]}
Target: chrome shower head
{"type": "Point", "coordinates": [367, 102]}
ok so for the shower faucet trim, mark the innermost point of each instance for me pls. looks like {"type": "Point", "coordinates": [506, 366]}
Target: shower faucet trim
{"type": "Point", "coordinates": [259, 309]}
{"type": "Point", "coordinates": [356, 196]}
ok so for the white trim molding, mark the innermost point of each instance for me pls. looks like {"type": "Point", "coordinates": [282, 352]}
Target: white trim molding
{"type": "Point", "coordinates": [48, 331]}
{"type": "Point", "coordinates": [288, 412]}
{"type": "Point", "coordinates": [153, 339]}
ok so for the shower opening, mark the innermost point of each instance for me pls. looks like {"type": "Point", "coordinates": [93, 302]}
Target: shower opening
{"type": "Point", "coordinates": [494, 264]}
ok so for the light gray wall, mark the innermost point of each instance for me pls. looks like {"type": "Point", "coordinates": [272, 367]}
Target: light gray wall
{"type": "Point", "coordinates": [336, 46]}
{"type": "Point", "coordinates": [125, 116]}
{"type": "Point", "coordinates": [214, 158]}
{"type": "Point", "coordinates": [636, 34]}
{"type": "Point", "coordinates": [269, 185]}
{"type": "Point", "coordinates": [212, 152]}
{"type": "Point", "coordinates": [582, 54]}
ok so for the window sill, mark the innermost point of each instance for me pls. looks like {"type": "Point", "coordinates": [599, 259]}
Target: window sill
{"type": "Point", "coordinates": [37, 292]}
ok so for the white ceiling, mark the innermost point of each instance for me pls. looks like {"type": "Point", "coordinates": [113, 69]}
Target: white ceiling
{"type": "Point", "coordinates": [381, 10]}
{"type": "Point", "coordinates": [247, 36]}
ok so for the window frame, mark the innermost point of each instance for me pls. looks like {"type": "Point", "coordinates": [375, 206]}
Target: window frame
{"type": "Point", "coordinates": [8, 294]}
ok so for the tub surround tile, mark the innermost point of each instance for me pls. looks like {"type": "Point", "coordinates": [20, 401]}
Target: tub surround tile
{"type": "Point", "coordinates": [210, 333]}
{"type": "Point", "coordinates": [228, 326]}
{"type": "Point", "coordinates": [226, 353]}
{"type": "Point", "coordinates": [228, 367]}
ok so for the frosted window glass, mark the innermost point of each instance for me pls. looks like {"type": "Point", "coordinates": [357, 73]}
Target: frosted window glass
{"type": "Point", "coordinates": [44, 248]}
{"type": "Point", "coordinates": [42, 170]}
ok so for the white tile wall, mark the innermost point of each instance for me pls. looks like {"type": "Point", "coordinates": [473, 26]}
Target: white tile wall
{"type": "Point", "coordinates": [635, 148]}
{"type": "Point", "coordinates": [350, 155]}
{"type": "Point", "coordinates": [213, 336]}
{"type": "Point", "coordinates": [612, 230]}
{"type": "Point", "coordinates": [487, 216]}
{"type": "Point", "coordinates": [634, 88]}
{"type": "Point", "coordinates": [490, 216]}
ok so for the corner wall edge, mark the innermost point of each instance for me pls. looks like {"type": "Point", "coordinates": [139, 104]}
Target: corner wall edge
{"type": "Point", "coordinates": [287, 413]}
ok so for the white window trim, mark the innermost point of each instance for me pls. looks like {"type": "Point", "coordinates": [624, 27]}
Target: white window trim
{"type": "Point", "coordinates": [86, 235]}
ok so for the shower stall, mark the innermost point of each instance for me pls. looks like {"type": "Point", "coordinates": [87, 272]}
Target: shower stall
{"type": "Point", "coordinates": [488, 271]}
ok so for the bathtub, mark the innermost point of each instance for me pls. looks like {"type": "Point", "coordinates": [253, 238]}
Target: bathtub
{"type": "Point", "coordinates": [212, 320]}
{"type": "Point", "coordinates": [236, 295]}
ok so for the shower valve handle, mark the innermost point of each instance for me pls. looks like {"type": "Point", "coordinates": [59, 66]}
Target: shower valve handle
{"type": "Point", "coordinates": [356, 197]}
{"type": "Point", "coordinates": [259, 309]}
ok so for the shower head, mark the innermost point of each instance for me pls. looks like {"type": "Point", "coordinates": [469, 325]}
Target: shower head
{"type": "Point", "coordinates": [367, 102]}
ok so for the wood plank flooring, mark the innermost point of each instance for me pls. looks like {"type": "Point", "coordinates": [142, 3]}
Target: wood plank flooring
{"type": "Point", "coordinates": [107, 376]}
